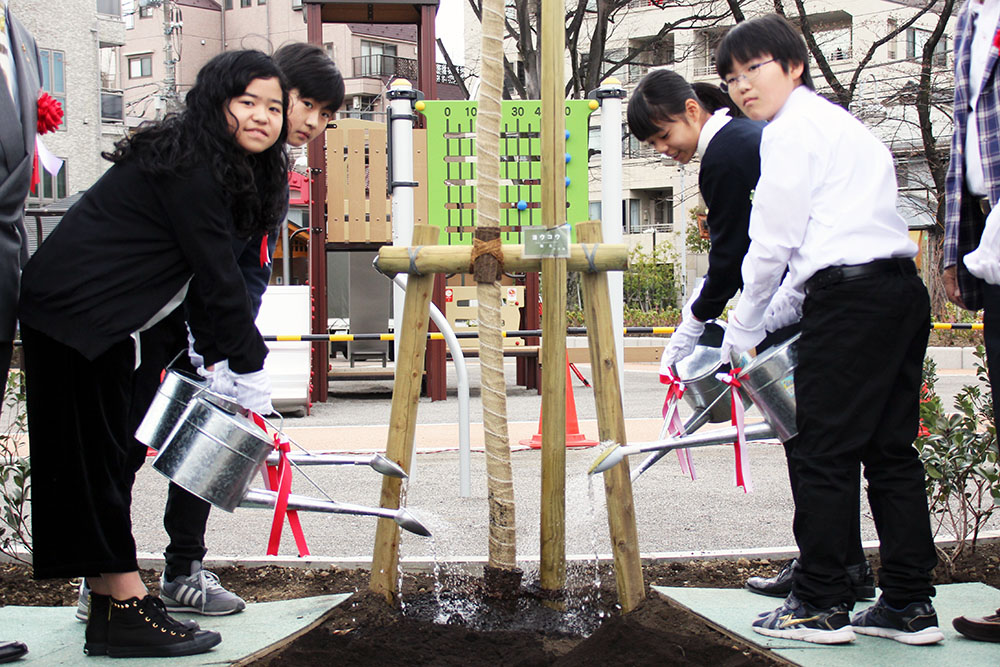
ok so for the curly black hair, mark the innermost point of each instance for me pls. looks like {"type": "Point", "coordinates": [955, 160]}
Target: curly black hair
{"type": "Point", "coordinates": [256, 183]}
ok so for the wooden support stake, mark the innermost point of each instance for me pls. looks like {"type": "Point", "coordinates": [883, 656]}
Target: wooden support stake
{"type": "Point", "coordinates": [611, 427]}
{"type": "Point", "coordinates": [412, 333]}
{"type": "Point", "coordinates": [552, 123]}
{"type": "Point", "coordinates": [552, 575]}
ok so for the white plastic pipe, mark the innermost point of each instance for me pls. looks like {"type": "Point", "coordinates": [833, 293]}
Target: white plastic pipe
{"type": "Point", "coordinates": [400, 114]}
{"type": "Point", "coordinates": [462, 377]}
{"type": "Point", "coordinates": [610, 95]}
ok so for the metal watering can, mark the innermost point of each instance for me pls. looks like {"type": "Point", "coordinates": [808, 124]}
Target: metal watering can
{"type": "Point", "coordinates": [211, 450]}
{"type": "Point", "coordinates": [767, 380]}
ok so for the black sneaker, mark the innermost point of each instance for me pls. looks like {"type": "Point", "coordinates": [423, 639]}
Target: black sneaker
{"type": "Point", "coordinates": [796, 619]}
{"type": "Point", "coordinates": [862, 580]}
{"type": "Point", "coordinates": [142, 628]}
{"type": "Point", "coordinates": [780, 585]}
{"type": "Point", "coordinates": [96, 634]}
{"type": "Point", "coordinates": [914, 624]}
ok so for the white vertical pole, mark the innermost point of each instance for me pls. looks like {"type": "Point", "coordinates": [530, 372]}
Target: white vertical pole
{"type": "Point", "coordinates": [610, 95]}
{"type": "Point", "coordinates": [401, 97]}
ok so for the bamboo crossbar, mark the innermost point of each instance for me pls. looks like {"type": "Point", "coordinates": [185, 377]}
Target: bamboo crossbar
{"type": "Point", "coordinates": [455, 259]}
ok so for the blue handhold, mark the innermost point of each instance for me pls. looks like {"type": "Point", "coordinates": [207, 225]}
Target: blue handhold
{"type": "Point", "coordinates": [522, 205]}
{"type": "Point", "coordinates": [567, 158]}
{"type": "Point", "coordinates": [567, 181]}
{"type": "Point", "coordinates": [567, 134]}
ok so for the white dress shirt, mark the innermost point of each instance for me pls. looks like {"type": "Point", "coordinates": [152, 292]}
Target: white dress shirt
{"type": "Point", "coordinates": [986, 15]}
{"type": "Point", "coordinates": [7, 56]}
{"type": "Point", "coordinates": [712, 126]}
{"type": "Point", "coordinates": [826, 196]}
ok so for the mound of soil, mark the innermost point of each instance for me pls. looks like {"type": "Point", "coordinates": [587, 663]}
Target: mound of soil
{"type": "Point", "coordinates": [448, 620]}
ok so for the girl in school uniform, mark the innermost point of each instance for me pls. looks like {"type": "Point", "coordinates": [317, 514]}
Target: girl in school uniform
{"type": "Point", "coordinates": [684, 121]}
{"type": "Point", "coordinates": [160, 220]}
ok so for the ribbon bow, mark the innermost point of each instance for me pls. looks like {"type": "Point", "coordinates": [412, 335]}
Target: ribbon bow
{"type": "Point", "coordinates": [279, 478]}
{"type": "Point", "coordinates": [672, 419]}
{"type": "Point", "coordinates": [742, 466]}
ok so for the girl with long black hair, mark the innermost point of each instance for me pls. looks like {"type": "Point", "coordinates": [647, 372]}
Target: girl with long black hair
{"type": "Point", "coordinates": [159, 222]}
{"type": "Point", "coordinates": [681, 121]}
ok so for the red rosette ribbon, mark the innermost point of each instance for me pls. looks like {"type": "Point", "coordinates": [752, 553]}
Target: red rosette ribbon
{"type": "Point", "coordinates": [996, 40]}
{"type": "Point", "coordinates": [673, 426]}
{"type": "Point", "coordinates": [50, 113]}
{"type": "Point", "coordinates": [742, 465]}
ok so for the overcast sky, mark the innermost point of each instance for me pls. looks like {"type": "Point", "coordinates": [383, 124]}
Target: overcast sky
{"type": "Point", "coordinates": [450, 28]}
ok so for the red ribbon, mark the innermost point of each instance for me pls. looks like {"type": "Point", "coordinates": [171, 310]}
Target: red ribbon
{"type": "Point", "coordinates": [996, 40]}
{"type": "Point", "coordinates": [265, 259]}
{"type": "Point", "coordinates": [280, 479]}
{"type": "Point", "coordinates": [739, 445]}
{"type": "Point", "coordinates": [34, 174]}
{"type": "Point", "coordinates": [672, 419]}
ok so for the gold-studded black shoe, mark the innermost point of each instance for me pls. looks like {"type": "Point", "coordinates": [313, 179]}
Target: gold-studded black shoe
{"type": "Point", "coordinates": [142, 628]}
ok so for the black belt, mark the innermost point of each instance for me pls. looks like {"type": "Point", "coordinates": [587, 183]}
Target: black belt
{"type": "Point", "coordinates": [984, 204]}
{"type": "Point", "coordinates": [839, 274]}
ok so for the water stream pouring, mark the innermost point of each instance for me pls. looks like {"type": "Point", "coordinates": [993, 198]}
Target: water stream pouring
{"type": "Point", "coordinates": [767, 380]}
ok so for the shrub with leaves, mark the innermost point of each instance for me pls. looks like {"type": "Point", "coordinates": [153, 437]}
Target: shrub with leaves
{"type": "Point", "coordinates": [15, 468]}
{"type": "Point", "coordinates": [959, 453]}
{"type": "Point", "coordinates": [650, 283]}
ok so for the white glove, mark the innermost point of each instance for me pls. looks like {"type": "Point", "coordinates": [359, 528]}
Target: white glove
{"type": "Point", "coordinates": [221, 380]}
{"type": "Point", "coordinates": [785, 308]}
{"type": "Point", "coordinates": [197, 360]}
{"type": "Point", "coordinates": [253, 391]}
{"type": "Point", "coordinates": [681, 342]}
{"type": "Point", "coordinates": [739, 338]}
{"type": "Point", "coordinates": [984, 261]}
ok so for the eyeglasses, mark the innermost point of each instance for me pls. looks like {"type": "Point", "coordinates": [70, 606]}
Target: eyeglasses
{"type": "Point", "coordinates": [752, 73]}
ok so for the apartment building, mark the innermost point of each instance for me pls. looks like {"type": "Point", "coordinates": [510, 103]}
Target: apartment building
{"type": "Point", "coordinates": [79, 42]}
{"type": "Point", "coordinates": [660, 197]}
{"type": "Point", "coordinates": [187, 33]}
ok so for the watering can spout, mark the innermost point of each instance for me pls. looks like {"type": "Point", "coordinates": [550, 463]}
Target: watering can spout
{"type": "Point", "coordinates": [607, 460]}
{"type": "Point", "coordinates": [261, 498]}
{"type": "Point", "coordinates": [388, 468]}
{"type": "Point", "coordinates": [408, 522]}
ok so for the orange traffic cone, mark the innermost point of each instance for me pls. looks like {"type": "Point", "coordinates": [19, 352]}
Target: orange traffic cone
{"type": "Point", "coordinates": [573, 436]}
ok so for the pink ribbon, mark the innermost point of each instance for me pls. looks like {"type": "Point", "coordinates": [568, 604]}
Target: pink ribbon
{"type": "Point", "coordinates": [742, 464]}
{"type": "Point", "coordinates": [675, 427]}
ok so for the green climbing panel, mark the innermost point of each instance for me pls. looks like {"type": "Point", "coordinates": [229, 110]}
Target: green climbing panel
{"type": "Point", "coordinates": [451, 167]}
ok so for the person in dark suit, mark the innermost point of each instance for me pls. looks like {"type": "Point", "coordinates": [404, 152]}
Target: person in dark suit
{"type": "Point", "coordinates": [159, 222]}
{"type": "Point", "coordinates": [19, 87]}
{"type": "Point", "coordinates": [971, 259]}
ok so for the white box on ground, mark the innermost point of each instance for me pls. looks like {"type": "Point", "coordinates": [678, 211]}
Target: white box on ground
{"type": "Point", "coordinates": [284, 311]}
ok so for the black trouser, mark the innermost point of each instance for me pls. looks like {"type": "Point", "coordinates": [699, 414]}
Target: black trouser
{"type": "Point", "coordinates": [991, 336]}
{"type": "Point", "coordinates": [857, 388]}
{"type": "Point", "coordinates": [80, 446]}
{"type": "Point", "coordinates": [186, 515]}
{"type": "Point", "coordinates": [855, 553]}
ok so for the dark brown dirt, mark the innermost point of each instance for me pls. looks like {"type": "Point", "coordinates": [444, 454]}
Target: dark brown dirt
{"type": "Point", "coordinates": [447, 621]}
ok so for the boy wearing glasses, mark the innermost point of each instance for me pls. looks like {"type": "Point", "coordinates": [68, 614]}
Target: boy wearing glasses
{"type": "Point", "coordinates": [825, 210]}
